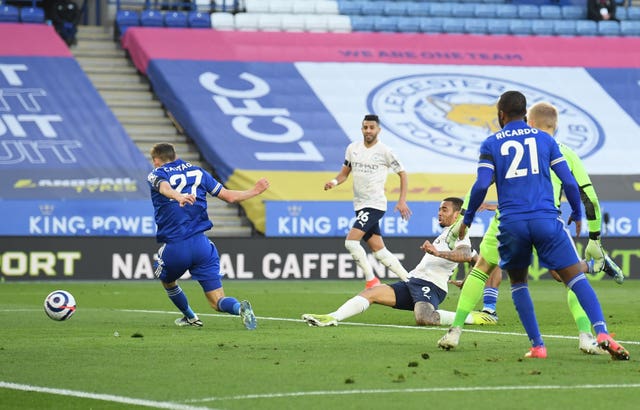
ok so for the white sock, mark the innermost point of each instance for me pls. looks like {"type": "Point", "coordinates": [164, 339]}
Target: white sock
{"type": "Point", "coordinates": [351, 307]}
{"type": "Point", "coordinates": [446, 318]}
{"type": "Point", "coordinates": [360, 256]}
{"type": "Point", "coordinates": [390, 261]}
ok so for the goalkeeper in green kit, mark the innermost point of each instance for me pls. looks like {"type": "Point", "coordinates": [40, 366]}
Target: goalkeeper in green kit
{"type": "Point", "coordinates": [486, 271]}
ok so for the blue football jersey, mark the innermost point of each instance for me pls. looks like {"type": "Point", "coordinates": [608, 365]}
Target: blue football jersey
{"type": "Point", "coordinates": [521, 157]}
{"type": "Point", "coordinates": [175, 222]}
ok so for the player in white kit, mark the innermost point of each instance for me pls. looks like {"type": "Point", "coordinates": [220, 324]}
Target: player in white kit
{"type": "Point", "coordinates": [369, 161]}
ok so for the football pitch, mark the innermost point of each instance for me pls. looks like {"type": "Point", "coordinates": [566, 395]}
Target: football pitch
{"type": "Point", "coordinates": [121, 349]}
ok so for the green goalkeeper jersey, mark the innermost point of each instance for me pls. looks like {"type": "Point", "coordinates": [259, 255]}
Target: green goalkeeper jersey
{"type": "Point", "coordinates": [587, 192]}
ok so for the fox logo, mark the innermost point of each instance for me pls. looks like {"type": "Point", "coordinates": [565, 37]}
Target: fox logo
{"type": "Point", "coordinates": [452, 114]}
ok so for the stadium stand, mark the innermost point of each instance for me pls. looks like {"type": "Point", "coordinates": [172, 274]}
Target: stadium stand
{"type": "Point", "coordinates": [9, 14]}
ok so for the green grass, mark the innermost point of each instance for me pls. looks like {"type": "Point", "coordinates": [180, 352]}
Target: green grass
{"type": "Point", "coordinates": [377, 360]}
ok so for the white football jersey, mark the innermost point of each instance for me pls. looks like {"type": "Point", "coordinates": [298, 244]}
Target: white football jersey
{"type": "Point", "coordinates": [370, 167]}
{"type": "Point", "coordinates": [438, 270]}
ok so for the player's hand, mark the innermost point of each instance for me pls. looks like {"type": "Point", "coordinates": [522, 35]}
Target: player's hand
{"type": "Point", "coordinates": [462, 231]}
{"type": "Point", "coordinates": [261, 185]}
{"type": "Point", "coordinates": [458, 283]}
{"type": "Point", "coordinates": [404, 210]}
{"type": "Point", "coordinates": [578, 223]}
{"type": "Point", "coordinates": [329, 185]}
{"type": "Point", "coordinates": [595, 251]}
{"type": "Point", "coordinates": [185, 199]}
{"type": "Point", "coordinates": [429, 248]}
{"type": "Point", "coordinates": [452, 236]}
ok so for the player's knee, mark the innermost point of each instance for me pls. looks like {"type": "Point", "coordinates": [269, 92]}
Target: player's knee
{"type": "Point", "coordinates": [426, 315]}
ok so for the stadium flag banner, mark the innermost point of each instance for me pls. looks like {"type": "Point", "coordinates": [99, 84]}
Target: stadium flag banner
{"type": "Point", "coordinates": [277, 102]}
{"type": "Point", "coordinates": [67, 165]}
{"type": "Point", "coordinates": [132, 258]}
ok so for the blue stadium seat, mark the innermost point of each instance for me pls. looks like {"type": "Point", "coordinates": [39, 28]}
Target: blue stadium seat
{"type": "Point", "coordinates": [350, 8]}
{"type": "Point", "coordinates": [392, 8]}
{"type": "Point", "coordinates": [542, 27]}
{"type": "Point", "coordinates": [409, 24]}
{"type": "Point", "coordinates": [506, 11]}
{"type": "Point", "coordinates": [32, 15]}
{"type": "Point", "coordinates": [418, 9]}
{"type": "Point", "coordinates": [573, 12]}
{"type": "Point", "coordinates": [431, 25]}
{"type": "Point", "coordinates": [463, 10]}
{"type": "Point", "coordinates": [621, 13]}
{"type": "Point", "coordinates": [608, 28]}
{"type": "Point", "coordinates": [452, 25]}
{"type": "Point", "coordinates": [550, 11]}
{"type": "Point", "coordinates": [475, 26]}
{"type": "Point", "coordinates": [9, 14]}
{"type": "Point", "coordinates": [385, 23]}
{"type": "Point", "coordinates": [630, 28]}
{"type": "Point", "coordinates": [566, 27]}
{"type": "Point", "coordinates": [520, 26]}
{"type": "Point", "coordinates": [196, 19]}
{"type": "Point", "coordinates": [126, 19]}
{"type": "Point", "coordinates": [361, 23]}
{"type": "Point", "coordinates": [372, 8]}
{"type": "Point", "coordinates": [441, 9]}
{"type": "Point", "coordinates": [633, 13]}
{"type": "Point", "coordinates": [486, 11]}
{"type": "Point", "coordinates": [586, 28]}
{"type": "Point", "coordinates": [528, 11]}
{"type": "Point", "coordinates": [498, 26]}
{"type": "Point", "coordinates": [175, 19]}
{"type": "Point", "coordinates": [151, 18]}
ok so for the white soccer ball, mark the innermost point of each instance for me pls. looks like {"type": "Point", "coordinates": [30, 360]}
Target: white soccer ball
{"type": "Point", "coordinates": [59, 305]}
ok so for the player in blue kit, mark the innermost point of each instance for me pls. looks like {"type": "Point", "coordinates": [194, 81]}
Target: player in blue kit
{"type": "Point", "coordinates": [179, 195]}
{"type": "Point", "coordinates": [519, 158]}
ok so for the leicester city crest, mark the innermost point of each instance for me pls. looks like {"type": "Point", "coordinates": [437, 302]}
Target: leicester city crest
{"type": "Point", "coordinates": [452, 114]}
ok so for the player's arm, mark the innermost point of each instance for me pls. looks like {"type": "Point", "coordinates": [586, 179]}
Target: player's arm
{"type": "Point", "coordinates": [460, 254]}
{"type": "Point", "coordinates": [588, 196]}
{"type": "Point", "coordinates": [594, 249]}
{"type": "Point", "coordinates": [571, 191]}
{"type": "Point", "coordinates": [341, 177]}
{"type": "Point", "coordinates": [401, 205]}
{"type": "Point", "coordinates": [232, 196]}
{"type": "Point", "coordinates": [164, 187]}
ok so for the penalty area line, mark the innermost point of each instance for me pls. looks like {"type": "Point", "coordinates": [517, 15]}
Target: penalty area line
{"type": "Point", "coordinates": [103, 397]}
{"type": "Point", "coordinates": [380, 325]}
{"type": "Point", "coordinates": [417, 390]}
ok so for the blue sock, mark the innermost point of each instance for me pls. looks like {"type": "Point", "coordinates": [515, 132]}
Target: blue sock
{"type": "Point", "coordinates": [490, 299]}
{"type": "Point", "coordinates": [230, 305]}
{"type": "Point", "coordinates": [589, 302]}
{"type": "Point", "coordinates": [179, 299]}
{"type": "Point", "coordinates": [524, 306]}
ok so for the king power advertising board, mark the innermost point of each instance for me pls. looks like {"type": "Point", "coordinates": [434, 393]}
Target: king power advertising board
{"type": "Point", "coordinates": [108, 258]}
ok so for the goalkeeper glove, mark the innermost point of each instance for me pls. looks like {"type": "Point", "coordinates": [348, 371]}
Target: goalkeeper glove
{"type": "Point", "coordinates": [595, 251]}
{"type": "Point", "coordinates": [453, 235]}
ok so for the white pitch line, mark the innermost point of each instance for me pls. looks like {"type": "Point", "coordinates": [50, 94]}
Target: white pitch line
{"type": "Point", "coordinates": [103, 397]}
{"type": "Point", "coordinates": [417, 328]}
{"type": "Point", "coordinates": [416, 390]}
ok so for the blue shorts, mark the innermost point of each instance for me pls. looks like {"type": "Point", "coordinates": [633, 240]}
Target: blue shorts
{"type": "Point", "coordinates": [368, 220]}
{"type": "Point", "coordinates": [549, 236]}
{"type": "Point", "coordinates": [196, 254]}
{"type": "Point", "coordinates": [417, 290]}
